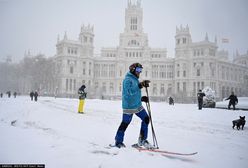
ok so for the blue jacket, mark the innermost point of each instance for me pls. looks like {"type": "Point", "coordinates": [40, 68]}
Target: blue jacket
{"type": "Point", "coordinates": [131, 93]}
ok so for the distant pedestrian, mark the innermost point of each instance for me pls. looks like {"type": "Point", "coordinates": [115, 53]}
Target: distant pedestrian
{"type": "Point", "coordinates": [233, 100]}
{"type": "Point", "coordinates": [8, 93]}
{"type": "Point", "coordinates": [171, 101]}
{"type": "Point", "coordinates": [1, 95]}
{"type": "Point", "coordinates": [31, 95]}
{"type": "Point", "coordinates": [200, 96]}
{"type": "Point", "coordinates": [82, 95]}
{"type": "Point", "coordinates": [15, 94]}
{"type": "Point", "coordinates": [35, 96]}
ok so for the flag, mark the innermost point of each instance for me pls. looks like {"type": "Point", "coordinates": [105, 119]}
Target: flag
{"type": "Point", "coordinates": [225, 40]}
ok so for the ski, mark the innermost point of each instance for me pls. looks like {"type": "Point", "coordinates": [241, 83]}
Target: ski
{"type": "Point", "coordinates": [142, 149]}
{"type": "Point", "coordinates": [154, 150]}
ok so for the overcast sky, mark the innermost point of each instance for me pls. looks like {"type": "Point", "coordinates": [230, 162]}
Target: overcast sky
{"type": "Point", "coordinates": [35, 24]}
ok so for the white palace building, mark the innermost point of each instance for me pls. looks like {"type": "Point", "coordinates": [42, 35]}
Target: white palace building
{"type": "Point", "coordinates": [195, 65]}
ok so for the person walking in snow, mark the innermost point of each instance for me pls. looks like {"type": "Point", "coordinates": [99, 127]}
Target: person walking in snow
{"type": "Point", "coordinates": [171, 101]}
{"type": "Point", "coordinates": [36, 95]}
{"type": "Point", "coordinates": [15, 94]}
{"type": "Point", "coordinates": [31, 95]}
{"type": "Point", "coordinates": [8, 93]}
{"type": "Point", "coordinates": [131, 104]}
{"type": "Point", "coordinates": [200, 96]}
{"type": "Point", "coordinates": [82, 96]}
{"type": "Point", "coordinates": [233, 100]}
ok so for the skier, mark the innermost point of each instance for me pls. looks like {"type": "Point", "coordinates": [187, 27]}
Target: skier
{"type": "Point", "coordinates": [200, 96]}
{"type": "Point", "coordinates": [131, 104]}
{"type": "Point", "coordinates": [82, 96]}
{"type": "Point", "coordinates": [31, 95]}
{"type": "Point", "coordinates": [35, 96]}
{"type": "Point", "coordinates": [233, 100]}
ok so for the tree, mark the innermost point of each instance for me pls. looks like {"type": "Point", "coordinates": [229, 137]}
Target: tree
{"type": "Point", "coordinates": [209, 99]}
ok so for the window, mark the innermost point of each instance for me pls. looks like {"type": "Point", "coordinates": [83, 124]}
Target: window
{"type": "Point", "coordinates": [184, 86]}
{"type": "Point", "coordinates": [178, 41]}
{"type": "Point", "coordinates": [120, 73]}
{"type": "Point", "coordinates": [134, 22]}
{"type": "Point", "coordinates": [74, 84]}
{"type": "Point", "coordinates": [120, 85]}
{"type": "Point", "coordinates": [184, 40]}
{"type": "Point", "coordinates": [111, 88]}
{"type": "Point", "coordinates": [155, 89]}
{"type": "Point", "coordinates": [198, 72]}
{"type": "Point", "coordinates": [85, 39]}
{"type": "Point", "coordinates": [104, 87]}
{"type": "Point", "coordinates": [66, 84]}
{"type": "Point", "coordinates": [202, 84]}
{"type": "Point", "coordinates": [184, 73]}
{"type": "Point", "coordinates": [71, 70]}
{"type": "Point", "coordinates": [194, 88]}
{"type": "Point", "coordinates": [84, 66]}
{"type": "Point", "coordinates": [162, 89]}
{"type": "Point", "coordinates": [70, 84]}
{"type": "Point", "coordinates": [96, 85]}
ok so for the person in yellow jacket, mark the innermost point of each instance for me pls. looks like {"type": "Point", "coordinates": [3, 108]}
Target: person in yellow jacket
{"type": "Point", "coordinates": [82, 96]}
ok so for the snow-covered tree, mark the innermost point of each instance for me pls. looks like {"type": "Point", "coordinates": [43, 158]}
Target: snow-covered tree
{"type": "Point", "coordinates": [209, 98]}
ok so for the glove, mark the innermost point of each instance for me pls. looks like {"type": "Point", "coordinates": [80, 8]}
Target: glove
{"type": "Point", "coordinates": [145, 99]}
{"type": "Point", "coordinates": [144, 83]}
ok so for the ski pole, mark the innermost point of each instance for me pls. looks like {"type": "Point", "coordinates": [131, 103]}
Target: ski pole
{"type": "Point", "coordinates": [155, 142]}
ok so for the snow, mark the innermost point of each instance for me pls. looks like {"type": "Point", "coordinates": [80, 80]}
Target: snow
{"type": "Point", "coordinates": [51, 132]}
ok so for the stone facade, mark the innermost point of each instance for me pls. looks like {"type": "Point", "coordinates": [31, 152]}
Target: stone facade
{"type": "Point", "coordinates": [194, 66]}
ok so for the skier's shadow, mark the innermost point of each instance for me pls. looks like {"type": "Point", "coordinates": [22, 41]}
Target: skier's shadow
{"type": "Point", "coordinates": [179, 158]}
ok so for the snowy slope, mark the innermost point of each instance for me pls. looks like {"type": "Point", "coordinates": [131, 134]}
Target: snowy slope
{"type": "Point", "coordinates": [51, 132]}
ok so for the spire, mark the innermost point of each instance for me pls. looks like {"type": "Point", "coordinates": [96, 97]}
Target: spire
{"type": "Point", "coordinates": [206, 37]}
{"type": "Point", "coordinates": [58, 39]}
{"type": "Point", "coordinates": [215, 39]}
{"type": "Point", "coordinates": [187, 27]}
{"type": "Point", "coordinates": [65, 36]}
{"type": "Point", "coordinates": [129, 3]}
{"type": "Point", "coordinates": [139, 3]}
{"type": "Point", "coordinates": [237, 52]}
{"type": "Point", "coordinates": [177, 29]}
{"type": "Point", "coordinates": [135, 4]}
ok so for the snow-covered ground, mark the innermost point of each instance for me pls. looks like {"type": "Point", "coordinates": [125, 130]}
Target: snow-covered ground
{"type": "Point", "coordinates": [51, 132]}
